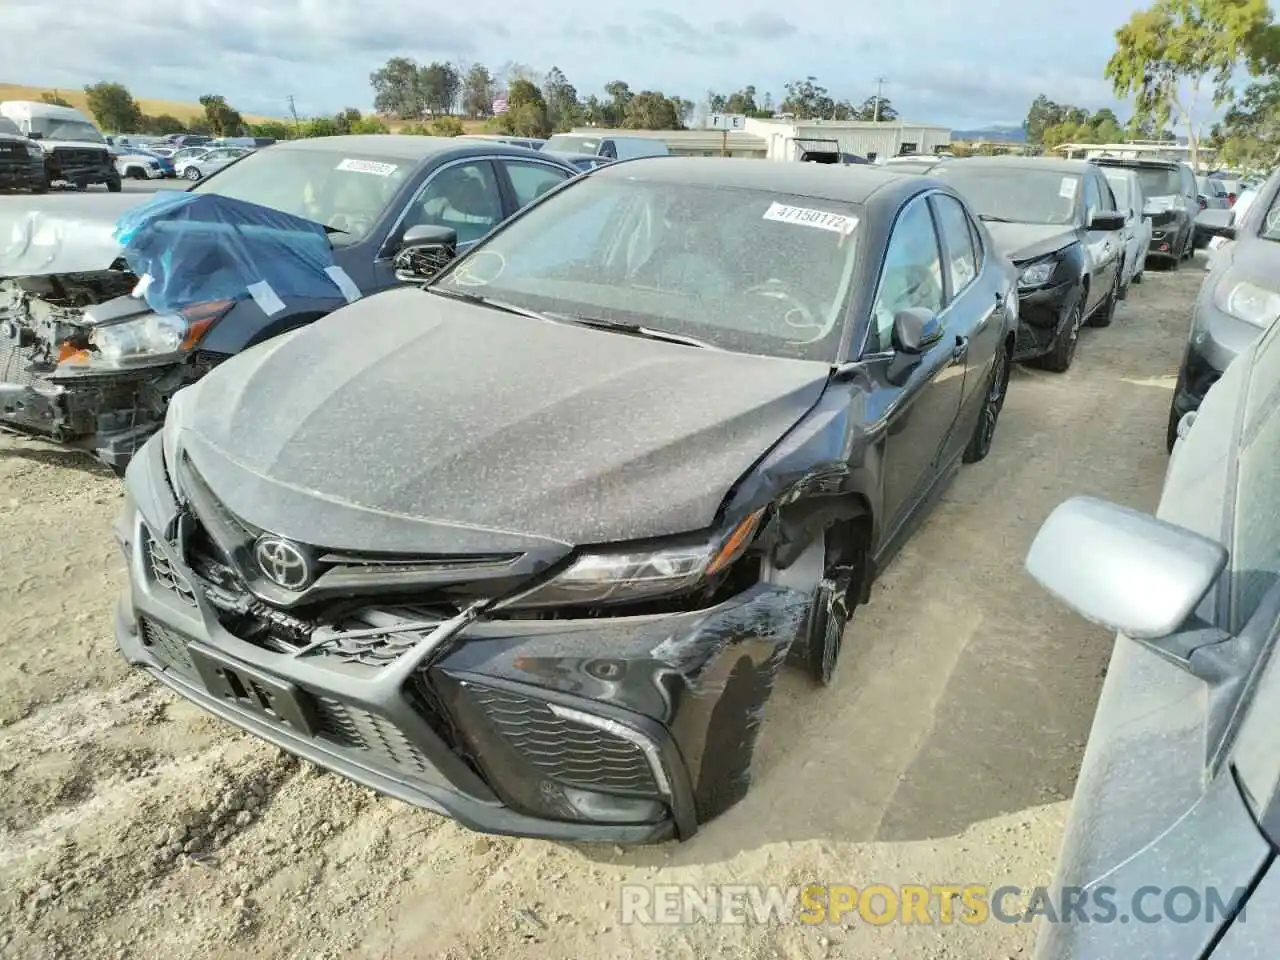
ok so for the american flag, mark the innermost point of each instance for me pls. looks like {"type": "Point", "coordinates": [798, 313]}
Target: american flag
{"type": "Point", "coordinates": [500, 106]}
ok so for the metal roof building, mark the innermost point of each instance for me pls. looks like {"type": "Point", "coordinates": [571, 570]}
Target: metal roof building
{"type": "Point", "coordinates": [786, 139]}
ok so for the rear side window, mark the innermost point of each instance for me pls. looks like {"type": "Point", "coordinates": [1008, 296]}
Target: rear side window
{"type": "Point", "coordinates": [953, 224]}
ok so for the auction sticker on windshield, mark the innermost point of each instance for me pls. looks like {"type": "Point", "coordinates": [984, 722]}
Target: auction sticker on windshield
{"type": "Point", "coordinates": [368, 166]}
{"type": "Point", "coordinates": [807, 217]}
{"type": "Point", "coordinates": [1068, 189]}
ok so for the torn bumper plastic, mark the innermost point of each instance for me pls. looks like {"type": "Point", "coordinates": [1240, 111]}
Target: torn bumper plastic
{"type": "Point", "coordinates": [628, 730]}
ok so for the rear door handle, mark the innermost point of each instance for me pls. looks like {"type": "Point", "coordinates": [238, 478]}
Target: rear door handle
{"type": "Point", "coordinates": [961, 349]}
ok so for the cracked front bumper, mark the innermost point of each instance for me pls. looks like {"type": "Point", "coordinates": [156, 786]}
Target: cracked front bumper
{"type": "Point", "coordinates": [627, 730]}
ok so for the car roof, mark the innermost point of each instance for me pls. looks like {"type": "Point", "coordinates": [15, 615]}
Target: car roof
{"type": "Point", "coordinates": [1052, 164]}
{"type": "Point", "coordinates": [399, 146]}
{"type": "Point", "coordinates": [852, 184]}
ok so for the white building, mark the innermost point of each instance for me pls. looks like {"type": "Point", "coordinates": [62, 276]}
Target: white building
{"type": "Point", "coordinates": [787, 139]}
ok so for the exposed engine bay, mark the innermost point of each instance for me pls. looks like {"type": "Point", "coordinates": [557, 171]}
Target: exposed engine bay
{"type": "Point", "coordinates": [48, 319]}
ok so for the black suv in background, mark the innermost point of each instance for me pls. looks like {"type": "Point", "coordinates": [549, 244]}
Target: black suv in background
{"type": "Point", "coordinates": [21, 160]}
{"type": "Point", "coordinates": [1171, 205]}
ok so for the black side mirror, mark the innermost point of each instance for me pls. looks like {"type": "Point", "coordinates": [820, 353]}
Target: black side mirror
{"type": "Point", "coordinates": [425, 250]}
{"type": "Point", "coordinates": [915, 330]}
{"type": "Point", "coordinates": [1107, 221]}
{"type": "Point", "coordinates": [1216, 223]}
{"type": "Point", "coordinates": [35, 135]}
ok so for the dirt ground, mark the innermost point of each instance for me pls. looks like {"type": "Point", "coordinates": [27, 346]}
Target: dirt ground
{"type": "Point", "coordinates": [132, 825]}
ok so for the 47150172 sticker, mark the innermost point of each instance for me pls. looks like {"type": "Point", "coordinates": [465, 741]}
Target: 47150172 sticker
{"type": "Point", "coordinates": [808, 217]}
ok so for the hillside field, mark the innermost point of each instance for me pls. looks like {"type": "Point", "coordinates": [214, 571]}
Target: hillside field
{"type": "Point", "coordinates": [75, 96]}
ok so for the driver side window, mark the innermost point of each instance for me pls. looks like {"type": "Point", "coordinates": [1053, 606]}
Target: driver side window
{"type": "Point", "coordinates": [464, 197]}
{"type": "Point", "coordinates": [911, 276]}
{"type": "Point", "coordinates": [1092, 199]}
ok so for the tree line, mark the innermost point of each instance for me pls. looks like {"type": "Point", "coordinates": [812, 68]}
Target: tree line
{"type": "Point", "coordinates": [1179, 61]}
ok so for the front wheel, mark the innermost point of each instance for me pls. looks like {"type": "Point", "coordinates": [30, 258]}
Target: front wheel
{"type": "Point", "coordinates": [836, 597]}
{"type": "Point", "coordinates": [985, 429]}
{"type": "Point", "coordinates": [192, 174]}
{"type": "Point", "coordinates": [1058, 360]}
{"type": "Point", "coordinates": [1106, 312]}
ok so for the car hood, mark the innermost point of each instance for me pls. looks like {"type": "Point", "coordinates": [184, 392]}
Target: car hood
{"type": "Point", "coordinates": [478, 428]}
{"type": "Point", "coordinates": [74, 144]}
{"type": "Point", "coordinates": [69, 233]}
{"type": "Point", "coordinates": [1027, 241]}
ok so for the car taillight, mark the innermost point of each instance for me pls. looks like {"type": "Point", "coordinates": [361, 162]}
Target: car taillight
{"type": "Point", "coordinates": [1231, 199]}
{"type": "Point", "coordinates": [1201, 201]}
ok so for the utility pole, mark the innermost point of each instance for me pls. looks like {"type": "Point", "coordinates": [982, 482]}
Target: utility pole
{"type": "Point", "coordinates": [293, 110]}
{"type": "Point", "coordinates": [880, 82]}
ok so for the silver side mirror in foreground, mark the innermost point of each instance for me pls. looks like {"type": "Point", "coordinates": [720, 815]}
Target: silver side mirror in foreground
{"type": "Point", "coordinates": [1124, 569]}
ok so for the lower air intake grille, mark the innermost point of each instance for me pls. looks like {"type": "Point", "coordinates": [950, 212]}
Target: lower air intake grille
{"type": "Point", "coordinates": [169, 648]}
{"type": "Point", "coordinates": [569, 752]}
{"type": "Point", "coordinates": [358, 729]}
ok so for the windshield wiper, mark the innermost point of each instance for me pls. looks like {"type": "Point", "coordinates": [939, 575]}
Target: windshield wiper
{"type": "Point", "coordinates": [635, 330]}
{"type": "Point", "coordinates": [992, 218]}
{"type": "Point", "coordinates": [487, 302]}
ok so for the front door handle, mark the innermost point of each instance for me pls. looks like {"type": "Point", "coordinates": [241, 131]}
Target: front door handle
{"type": "Point", "coordinates": [961, 349]}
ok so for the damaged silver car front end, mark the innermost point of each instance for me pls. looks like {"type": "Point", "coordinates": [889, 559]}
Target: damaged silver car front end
{"type": "Point", "coordinates": [62, 276]}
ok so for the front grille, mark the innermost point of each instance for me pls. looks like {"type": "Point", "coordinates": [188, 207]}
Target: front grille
{"type": "Point", "coordinates": [357, 729]}
{"type": "Point", "coordinates": [169, 648]}
{"type": "Point", "coordinates": [376, 650]}
{"type": "Point", "coordinates": [569, 752]}
{"type": "Point", "coordinates": [75, 157]}
{"type": "Point", "coordinates": [16, 363]}
{"type": "Point", "coordinates": [161, 572]}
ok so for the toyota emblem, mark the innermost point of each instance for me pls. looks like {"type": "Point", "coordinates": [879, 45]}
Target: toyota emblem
{"type": "Point", "coordinates": [283, 562]}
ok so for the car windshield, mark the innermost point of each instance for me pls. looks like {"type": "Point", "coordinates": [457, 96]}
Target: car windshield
{"type": "Point", "coordinates": [571, 144]}
{"type": "Point", "coordinates": [52, 129]}
{"type": "Point", "coordinates": [346, 193]}
{"type": "Point", "coordinates": [1012, 193]}
{"type": "Point", "coordinates": [744, 270]}
{"type": "Point", "coordinates": [1159, 181]}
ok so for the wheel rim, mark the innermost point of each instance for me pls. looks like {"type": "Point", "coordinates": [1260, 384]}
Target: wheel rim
{"type": "Point", "coordinates": [995, 401]}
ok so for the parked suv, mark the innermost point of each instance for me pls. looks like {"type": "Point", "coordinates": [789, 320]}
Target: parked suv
{"type": "Point", "coordinates": [74, 149]}
{"type": "Point", "coordinates": [21, 160]}
{"type": "Point", "coordinates": [1171, 203]}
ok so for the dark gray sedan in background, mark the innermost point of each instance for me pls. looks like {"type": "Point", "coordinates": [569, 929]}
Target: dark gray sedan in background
{"type": "Point", "coordinates": [529, 545]}
{"type": "Point", "coordinates": [1171, 843]}
{"type": "Point", "coordinates": [1238, 299]}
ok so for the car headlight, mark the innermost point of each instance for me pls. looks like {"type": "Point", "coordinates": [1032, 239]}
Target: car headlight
{"type": "Point", "coordinates": [1037, 274]}
{"type": "Point", "coordinates": [156, 334]}
{"type": "Point", "coordinates": [627, 575]}
{"type": "Point", "coordinates": [1246, 301]}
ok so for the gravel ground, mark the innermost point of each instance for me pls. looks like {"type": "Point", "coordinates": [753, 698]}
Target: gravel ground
{"type": "Point", "coordinates": [132, 825]}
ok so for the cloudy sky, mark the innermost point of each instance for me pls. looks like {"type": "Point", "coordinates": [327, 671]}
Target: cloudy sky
{"type": "Point", "coordinates": [961, 64]}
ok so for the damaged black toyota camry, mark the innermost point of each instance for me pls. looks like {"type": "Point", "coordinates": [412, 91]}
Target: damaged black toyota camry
{"type": "Point", "coordinates": [531, 548]}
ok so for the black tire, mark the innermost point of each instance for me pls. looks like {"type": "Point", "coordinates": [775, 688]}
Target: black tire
{"type": "Point", "coordinates": [1137, 277]}
{"type": "Point", "coordinates": [1174, 262]}
{"type": "Point", "coordinates": [984, 430]}
{"type": "Point", "coordinates": [1058, 360]}
{"type": "Point", "coordinates": [192, 174]}
{"type": "Point", "coordinates": [834, 602]}
{"type": "Point", "coordinates": [1123, 292]}
{"type": "Point", "coordinates": [1106, 311]}
{"type": "Point", "coordinates": [114, 185]}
